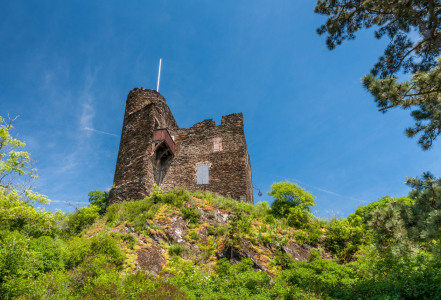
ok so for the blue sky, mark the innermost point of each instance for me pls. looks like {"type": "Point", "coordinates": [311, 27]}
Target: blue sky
{"type": "Point", "coordinates": [67, 67]}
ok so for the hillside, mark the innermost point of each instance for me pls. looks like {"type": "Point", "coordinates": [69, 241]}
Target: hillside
{"type": "Point", "coordinates": [202, 228]}
{"type": "Point", "coordinates": [183, 245]}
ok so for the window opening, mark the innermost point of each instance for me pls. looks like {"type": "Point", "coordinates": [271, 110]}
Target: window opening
{"type": "Point", "coordinates": [217, 145]}
{"type": "Point", "coordinates": [243, 198]}
{"type": "Point", "coordinates": [202, 174]}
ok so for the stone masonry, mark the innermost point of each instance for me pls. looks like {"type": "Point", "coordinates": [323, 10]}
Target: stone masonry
{"type": "Point", "coordinates": [154, 150]}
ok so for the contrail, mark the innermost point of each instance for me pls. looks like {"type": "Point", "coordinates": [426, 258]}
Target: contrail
{"type": "Point", "coordinates": [61, 201]}
{"type": "Point", "coordinates": [314, 187]}
{"type": "Point", "coordinates": [91, 129]}
{"type": "Point", "coordinates": [88, 128]}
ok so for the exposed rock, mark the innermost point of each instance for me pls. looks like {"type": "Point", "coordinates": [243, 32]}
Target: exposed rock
{"type": "Point", "coordinates": [297, 252]}
{"type": "Point", "coordinates": [151, 260]}
{"type": "Point", "coordinates": [175, 230]}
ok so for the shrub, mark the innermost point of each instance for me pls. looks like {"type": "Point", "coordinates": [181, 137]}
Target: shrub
{"type": "Point", "coordinates": [289, 195]}
{"type": "Point", "coordinates": [269, 219]}
{"type": "Point", "coordinates": [315, 254]}
{"type": "Point", "coordinates": [99, 199]}
{"type": "Point", "coordinates": [17, 263]}
{"type": "Point", "coordinates": [81, 218]}
{"type": "Point", "coordinates": [211, 230]}
{"type": "Point", "coordinates": [78, 250]}
{"type": "Point", "coordinates": [49, 253]}
{"type": "Point", "coordinates": [175, 249]}
{"type": "Point", "coordinates": [194, 235]}
{"type": "Point", "coordinates": [113, 213]}
{"type": "Point", "coordinates": [191, 213]}
{"type": "Point", "coordinates": [343, 239]}
{"type": "Point", "coordinates": [106, 245]}
{"type": "Point", "coordinates": [298, 218]}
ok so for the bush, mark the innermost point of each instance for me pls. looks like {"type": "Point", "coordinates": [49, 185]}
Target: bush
{"type": "Point", "coordinates": [81, 218]}
{"type": "Point", "coordinates": [194, 235]}
{"type": "Point", "coordinates": [269, 219]}
{"type": "Point", "coordinates": [49, 253]}
{"type": "Point", "coordinates": [175, 249]}
{"type": "Point", "coordinates": [315, 254]}
{"type": "Point", "coordinates": [99, 199]}
{"type": "Point", "coordinates": [343, 239]}
{"type": "Point", "coordinates": [289, 195]}
{"type": "Point", "coordinates": [298, 218]}
{"type": "Point", "coordinates": [106, 245]}
{"type": "Point", "coordinates": [191, 213]}
{"type": "Point", "coordinates": [78, 250]}
{"type": "Point", "coordinates": [17, 263]}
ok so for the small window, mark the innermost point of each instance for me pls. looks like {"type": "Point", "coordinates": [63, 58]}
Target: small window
{"type": "Point", "coordinates": [243, 198]}
{"type": "Point", "coordinates": [217, 145]}
{"type": "Point", "coordinates": [203, 174]}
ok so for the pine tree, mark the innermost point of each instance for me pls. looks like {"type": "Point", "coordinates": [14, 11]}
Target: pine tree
{"type": "Point", "coordinates": [405, 227]}
{"type": "Point", "coordinates": [397, 19]}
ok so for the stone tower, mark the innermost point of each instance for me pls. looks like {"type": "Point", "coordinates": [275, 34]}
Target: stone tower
{"type": "Point", "coordinates": [154, 150]}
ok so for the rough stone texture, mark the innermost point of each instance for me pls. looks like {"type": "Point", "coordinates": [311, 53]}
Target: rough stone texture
{"type": "Point", "coordinates": [297, 253]}
{"type": "Point", "coordinates": [151, 260]}
{"type": "Point", "coordinates": [137, 168]}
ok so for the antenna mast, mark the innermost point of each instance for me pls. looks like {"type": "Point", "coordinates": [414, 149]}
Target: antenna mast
{"type": "Point", "coordinates": [159, 75]}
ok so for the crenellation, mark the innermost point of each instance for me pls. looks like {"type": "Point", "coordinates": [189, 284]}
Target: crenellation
{"type": "Point", "coordinates": [203, 157]}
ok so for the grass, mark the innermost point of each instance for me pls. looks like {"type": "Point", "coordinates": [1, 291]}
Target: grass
{"type": "Point", "coordinates": [175, 249]}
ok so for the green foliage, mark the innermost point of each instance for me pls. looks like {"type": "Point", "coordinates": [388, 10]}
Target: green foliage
{"type": "Point", "coordinates": [191, 213]}
{"type": "Point", "coordinates": [104, 244]}
{"type": "Point", "coordinates": [194, 235]}
{"type": "Point", "coordinates": [49, 253]}
{"type": "Point", "coordinates": [15, 168]}
{"type": "Point", "coordinates": [315, 254]}
{"type": "Point", "coordinates": [269, 219]}
{"type": "Point", "coordinates": [82, 218]}
{"type": "Point", "coordinates": [16, 214]}
{"type": "Point", "coordinates": [406, 52]}
{"type": "Point", "coordinates": [298, 218]}
{"type": "Point", "coordinates": [176, 249]}
{"type": "Point", "coordinates": [16, 263]}
{"type": "Point", "coordinates": [407, 225]}
{"type": "Point", "coordinates": [99, 199]}
{"type": "Point", "coordinates": [289, 195]}
{"type": "Point", "coordinates": [81, 248]}
{"type": "Point", "coordinates": [344, 239]}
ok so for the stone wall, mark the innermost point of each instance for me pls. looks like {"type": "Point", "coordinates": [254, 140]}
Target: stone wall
{"type": "Point", "coordinates": [134, 176]}
{"type": "Point", "coordinates": [136, 171]}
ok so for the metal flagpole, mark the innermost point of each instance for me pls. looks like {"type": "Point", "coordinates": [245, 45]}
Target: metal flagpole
{"type": "Point", "coordinates": [159, 75]}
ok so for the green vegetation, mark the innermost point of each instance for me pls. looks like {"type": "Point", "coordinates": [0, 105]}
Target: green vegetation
{"type": "Point", "coordinates": [179, 245]}
{"type": "Point", "coordinates": [407, 52]}
{"type": "Point", "coordinates": [90, 257]}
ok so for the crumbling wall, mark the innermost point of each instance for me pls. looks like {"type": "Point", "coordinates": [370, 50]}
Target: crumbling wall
{"type": "Point", "coordinates": [229, 169]}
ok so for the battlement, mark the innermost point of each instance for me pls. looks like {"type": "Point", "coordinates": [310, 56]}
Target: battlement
{"type": "Point", "coordinates": [154, 150]}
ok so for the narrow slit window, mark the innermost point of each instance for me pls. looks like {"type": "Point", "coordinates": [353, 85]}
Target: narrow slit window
{"type": "Point", "coordinates": [202, 174]}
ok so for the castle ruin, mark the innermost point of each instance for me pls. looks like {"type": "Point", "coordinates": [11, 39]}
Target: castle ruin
{"type": "Point", "coordinates": [154, 150]}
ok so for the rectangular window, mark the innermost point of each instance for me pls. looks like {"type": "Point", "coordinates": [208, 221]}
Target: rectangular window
{"type": "Point", "coordinates": [216, 146]}
{"type": "Point", "coordinates": [243, 198]}
{"type": "Point", "coordinates": [202, 174]}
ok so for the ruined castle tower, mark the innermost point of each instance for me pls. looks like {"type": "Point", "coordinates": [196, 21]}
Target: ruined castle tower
{"type": "Point", "coordinates": [154, 150]}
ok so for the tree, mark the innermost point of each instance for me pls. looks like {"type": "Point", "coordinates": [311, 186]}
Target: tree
{"type": "Point", "coordinates": [405, 225]}
{"type": "Point", "coordinates": [16, 174]}
{"type": "Point", "coordinates": [289, 195]}
{"type": "Point", "coordinates": [100, 199]}
{"type": "Point", "coordinates": [397, 19]}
